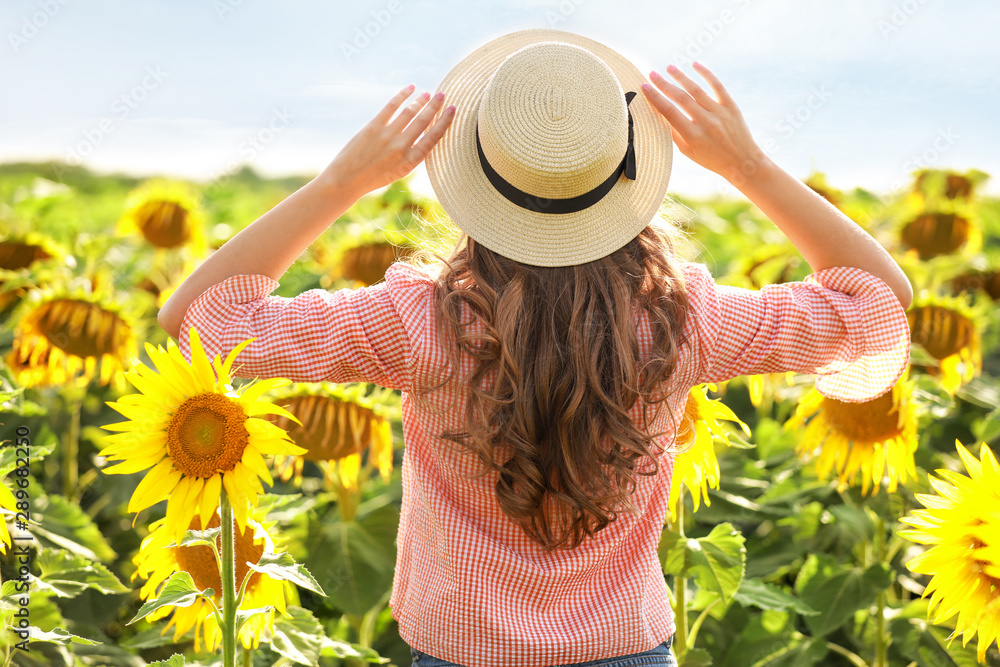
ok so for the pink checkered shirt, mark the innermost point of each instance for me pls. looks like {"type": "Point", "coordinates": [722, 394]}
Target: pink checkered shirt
{"type": "Point", "coordinates": [470, 586]}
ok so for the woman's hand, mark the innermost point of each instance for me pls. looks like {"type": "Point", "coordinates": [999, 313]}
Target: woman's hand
{"type": "Point", "coordinates": [387, 148]}
{"type": "Point", "coordinates": [713, 132]}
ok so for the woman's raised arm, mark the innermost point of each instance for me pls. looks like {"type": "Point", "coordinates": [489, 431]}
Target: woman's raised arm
{"type": "Point", "coordinates": [713, 133]}
{"type": "Point", "coordinates": [385, 150]}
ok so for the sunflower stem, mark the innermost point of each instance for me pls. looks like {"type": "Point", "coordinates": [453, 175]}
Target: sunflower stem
{"type": "Point", "coordinates": [693, 634]}
{"type": "Point", "coordinates": [367, 627]}
{"type": "Point", "coordinates": [228, 575]}
{"type": "Point", "coordinates": [881, 638]}
{"type": "Point", "coordinates": [851, 656]}
{"type": "Point", "coordinates": [71, 448]}
{"type": "Point", "coordinates": [347, 500]}
{"type": "Point", "coordinates": [680, 592]}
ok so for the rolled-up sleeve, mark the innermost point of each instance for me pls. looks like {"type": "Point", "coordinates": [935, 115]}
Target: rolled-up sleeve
{"type": "Point", "coordinates": [843, 324]}
{"type": "Point", "coordinates": [351, 335]}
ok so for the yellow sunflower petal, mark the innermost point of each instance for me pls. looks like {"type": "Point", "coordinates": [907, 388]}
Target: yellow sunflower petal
{"type": "Point", "coordinates": [155, 486]}
{"type": "Point", "coordinates": [136, 463]}
{"type": "Point", "coordinates": [210, 498]}
{"type": "Point", "coordinates": [253, 460]}
{"type": "Point", "coordinates": [227, 366]}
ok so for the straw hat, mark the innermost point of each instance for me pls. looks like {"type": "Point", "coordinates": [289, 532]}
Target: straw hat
{"type": "Point", "coordinates": [536, 165]}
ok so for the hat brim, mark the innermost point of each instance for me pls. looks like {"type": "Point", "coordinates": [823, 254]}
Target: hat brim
{"type": "Point", "coordinates": [532, 237]}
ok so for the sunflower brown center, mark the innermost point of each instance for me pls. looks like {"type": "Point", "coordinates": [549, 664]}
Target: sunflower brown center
{"type": "Point", "coordinates": [933, 234]}
{"type": "Point", "coordinates": [199, 561]}
{"type": "Point", "coordinates": [81, 328]}
{"type": "Point", "coordinates": [974, 280]}
{"type": "Point", "coordinates": [207, 435]}
{"type": "Point", "coordinates": [941, 331]}
{"type": "Point", "coordinates": [871, 421]}
{"type": "Point", "coordinates": [164, 223]}
{"type": "Point", "coordinates": [368, 263]}
{"type": "Point", "coordinates": [15, 255]}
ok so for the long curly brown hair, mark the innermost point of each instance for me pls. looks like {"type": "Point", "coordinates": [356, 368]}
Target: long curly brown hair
{"type": "Point", "coordinates": [561, 347]}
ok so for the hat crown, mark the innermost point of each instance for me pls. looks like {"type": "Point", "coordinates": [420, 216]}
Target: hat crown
{"type": "Point", "coordinates": [553, 120]}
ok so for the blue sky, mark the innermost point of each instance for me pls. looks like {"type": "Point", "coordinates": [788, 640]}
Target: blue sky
{"type": "Point", "coordinates": [864, 90]}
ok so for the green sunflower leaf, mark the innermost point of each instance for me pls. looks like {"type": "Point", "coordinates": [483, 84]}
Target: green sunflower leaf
{"type": "Point", "coordinates": [67, 575]}
{"type": "Point", "coordinates": [282, 566]}
{"type": "Point", "coordinates": [180, 591]}
{"type": "Point", "coordinates": [694, 657]}
{"type": "Point", "coordinates": [717, 561]}
{"type": "Point", "coordinates": [10, 456]}
{"type": "Point", "coordinates": [824, 583]}
{"type": "Point", "coordinates": [205, 537]}
{"type": "Point", "coordinates": [58, 636]}
{"type": "Point", "coordinates": [928, 645]}
{"type": "Point", "coordinates": [298, 637]}
{"type": "Point", "coordinates": [756, 593]}
{"type": "Point", "coordinates": [244, 615]}
{"type": "Point", "coordinates": [65, 525]}
{"type": "Point", "coordinates": [176, 660]}
{"type": "Point", "coordinates": [341, 649]}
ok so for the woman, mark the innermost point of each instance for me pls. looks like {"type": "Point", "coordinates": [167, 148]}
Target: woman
{"type": "Point", "coordinates": [543, 364]}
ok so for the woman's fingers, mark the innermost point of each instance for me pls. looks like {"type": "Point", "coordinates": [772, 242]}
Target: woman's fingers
{"type": "Point", "coordinates": [720, 91]}
{"type": "Point", "coordinates": [433, 135]}
{"type": "Point", "coordinates": [423, 119]}
{"type": "Point", "coordinates": [678, 96]}
{"type": "Point", "coordinates": [663, 105]}
{"type": "Point", "coordinates": [383, 117]}
{"type": "Point", "coordinates": [400, 122]}
{"type": "Point", "coordinates": [692, 88]}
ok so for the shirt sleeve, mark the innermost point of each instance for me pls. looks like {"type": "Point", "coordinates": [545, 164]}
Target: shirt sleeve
{"type": "Point", "coordinates": [351, 335]}
{"type": "Point", "coordinates": [843, 324]}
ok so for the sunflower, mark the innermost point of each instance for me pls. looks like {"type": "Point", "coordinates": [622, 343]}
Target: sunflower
{"type": "Point", "coordinates": [937, 183]}
{"type": "Point", "coordinates": [197, 434]}
{"type": "Point", "coordinates": [973, 280]}
{"type": "Point", "coordinates": [159, 557]}
{"type": "Point", "coordinates": [64, 335]}
{"type": "Point", "coordinates": [336, 424]}
{"type": "Point", "coordinates": [962, 523]}
{"type": "Point", "coordinates": [874, 439]}
{"type": "Point", "coordinates": [697, 468]}
{"type": "Point", "coordinates": [946, 328]}
{"type": "Point", "coordinates": [166, 213]}
{"type": "Point", "coordinates": [21, 252]}
{"type": "Point", "coordinates": [361, 255]}
{"type": "Point", "coordinates": [769, 264]}
{"type": "Point", "coordinates": [367, 263]}
{"type": "Point", "coordinates": [934, 233]}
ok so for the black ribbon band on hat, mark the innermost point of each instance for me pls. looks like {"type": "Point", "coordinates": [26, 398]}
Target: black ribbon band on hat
{"type": "Point", "coordinates": [571, 204]}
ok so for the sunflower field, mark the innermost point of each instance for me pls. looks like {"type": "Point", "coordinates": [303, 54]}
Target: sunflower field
{"type": "Point", "coordinates": [802, 530]}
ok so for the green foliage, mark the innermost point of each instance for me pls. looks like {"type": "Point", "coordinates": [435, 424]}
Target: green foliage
{"type": "Point", "coordinates": [282, 566]}
{"type": "Point", "coordinates": [824, 583]}
{"type": "Point", "coordinates": [717, 562]}
{"type": "Point", "coordinates": [179, 591]}
{"type": "Point", "coordinates": [67, 575]}
{"type": "Point", "coordinates": [354, 560]}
